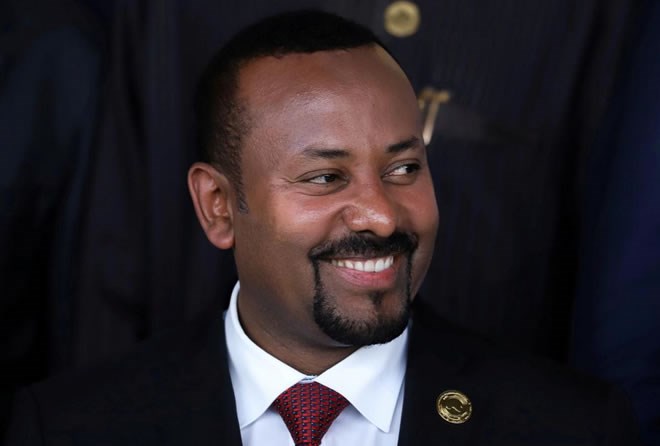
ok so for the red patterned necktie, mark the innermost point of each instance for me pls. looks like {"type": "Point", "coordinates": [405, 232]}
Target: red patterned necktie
{"type": "Point", "coordinates": [308, 409]}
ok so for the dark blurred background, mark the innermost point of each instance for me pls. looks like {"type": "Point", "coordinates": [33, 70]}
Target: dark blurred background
{"type": "Point", "coordinates": [544, 126]}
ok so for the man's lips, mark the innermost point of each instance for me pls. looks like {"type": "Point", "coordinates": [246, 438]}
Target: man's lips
{"type": "Point", "coordinates": [367, 273]}
{"type": "Point", "coordinates": [374, 265]}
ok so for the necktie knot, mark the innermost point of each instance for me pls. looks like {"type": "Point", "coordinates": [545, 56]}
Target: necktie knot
{"type": "Point", "coordinates": [308, 409]}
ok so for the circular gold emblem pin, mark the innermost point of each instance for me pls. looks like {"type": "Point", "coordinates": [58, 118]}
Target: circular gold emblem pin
{"type": "Point", "coordinates": [454, 407]}
{"type": "Point", "coordinates": [402, 19]}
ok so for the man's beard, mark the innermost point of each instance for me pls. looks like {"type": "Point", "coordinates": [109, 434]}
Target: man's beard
{"type": "Point", "coordinates": [329, 317]}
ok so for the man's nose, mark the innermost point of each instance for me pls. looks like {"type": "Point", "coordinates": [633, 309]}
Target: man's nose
{"type": "Point", "coordinates": [371, 209]}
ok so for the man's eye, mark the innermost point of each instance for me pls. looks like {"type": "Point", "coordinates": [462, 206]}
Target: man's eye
{"type": "Point", "coordinates": [405, 169]}
{"type": "Point", "coordinates": [326, 178]}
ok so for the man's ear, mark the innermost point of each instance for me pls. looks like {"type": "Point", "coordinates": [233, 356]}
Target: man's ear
{"type": "Point", "coordinates": [211, 193]}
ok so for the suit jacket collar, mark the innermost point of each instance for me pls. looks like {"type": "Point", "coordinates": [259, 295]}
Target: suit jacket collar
{"type": "Point", "coordinates": [213, 420]}
{"type": "Point", "coordinates": [228, 429]}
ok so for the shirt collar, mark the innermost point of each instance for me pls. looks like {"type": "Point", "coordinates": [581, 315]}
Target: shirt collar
{"type": "Point", "coordinates": [370, 379]}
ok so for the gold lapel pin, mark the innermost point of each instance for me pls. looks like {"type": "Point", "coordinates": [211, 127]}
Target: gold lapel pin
{"type": "Point", "coordinates": [402, 19]}
{"type": "Point", "coordinates": [454, 407]}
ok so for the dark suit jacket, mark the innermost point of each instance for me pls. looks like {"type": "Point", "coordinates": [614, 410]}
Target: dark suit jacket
{"type": "Point", "coordinates": [176, 390]}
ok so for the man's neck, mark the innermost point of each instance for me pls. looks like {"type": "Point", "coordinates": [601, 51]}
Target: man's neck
{"type": "Point", "coordinates": [306, 357]}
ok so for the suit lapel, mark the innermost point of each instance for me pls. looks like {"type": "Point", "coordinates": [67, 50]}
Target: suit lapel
{"type": "Point", "coordinates": [212, 418]}
{"type": "Point", "coordinates": [436, 363]}
{"type": "Point", "coordinates": [225, 423]}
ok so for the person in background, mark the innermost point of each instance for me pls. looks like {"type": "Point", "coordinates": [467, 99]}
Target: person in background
{"type": "Point", "coordinates": [617, 308]}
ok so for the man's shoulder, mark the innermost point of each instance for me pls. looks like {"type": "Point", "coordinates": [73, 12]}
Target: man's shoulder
{"type": "Point", "coordinates": [178, 375]}
{"type": "Point", "coordinates": [514, 395]}
{"type": "Point", "coordinates": [506, 370]}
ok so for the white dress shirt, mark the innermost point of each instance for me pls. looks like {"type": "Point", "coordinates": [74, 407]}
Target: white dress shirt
{"type": "Point", "coordinates": [371, 379]}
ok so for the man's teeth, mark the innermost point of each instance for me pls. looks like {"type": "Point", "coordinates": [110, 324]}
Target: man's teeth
{"type": "Point", "coordinates": [369, 266]}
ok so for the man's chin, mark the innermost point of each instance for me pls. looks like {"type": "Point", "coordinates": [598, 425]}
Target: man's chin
{"type": "Point", "coordinates": [354, 329]}
{"type": "Point", "coordinates": [359, 314]}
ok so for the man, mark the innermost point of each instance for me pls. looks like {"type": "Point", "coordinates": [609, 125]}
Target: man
{"type": "Point", "coordinates": [315, 175]}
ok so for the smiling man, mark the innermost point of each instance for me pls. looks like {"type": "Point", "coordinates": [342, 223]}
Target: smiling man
{"type": "Point", "coordinates": [315, 175]}
{"type": "Point", "coordinates": [329, 207]}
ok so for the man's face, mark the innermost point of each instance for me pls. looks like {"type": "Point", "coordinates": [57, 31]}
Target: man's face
{"type": "Point", "coordinates": [342, 216]}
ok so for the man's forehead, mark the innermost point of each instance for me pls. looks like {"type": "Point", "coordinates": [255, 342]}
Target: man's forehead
{"type": "Point", "coordinates": [300, 76]}
{"type": "Point", "coordinates": [331, 100]}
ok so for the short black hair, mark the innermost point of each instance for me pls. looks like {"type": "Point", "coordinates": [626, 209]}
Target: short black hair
{"type": "Point", "coordinates": [221, 119]}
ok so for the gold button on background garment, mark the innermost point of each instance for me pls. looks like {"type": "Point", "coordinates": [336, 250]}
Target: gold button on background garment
{"type": "Point", "coordinates": [454, 407]}
{"type": "Point", "coordinates": [402, 19]}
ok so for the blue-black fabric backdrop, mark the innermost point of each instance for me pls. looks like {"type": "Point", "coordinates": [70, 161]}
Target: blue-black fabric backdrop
{"type": "Point", "coordinates": [617, 308]}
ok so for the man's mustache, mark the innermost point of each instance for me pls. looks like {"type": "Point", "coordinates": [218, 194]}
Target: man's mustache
{"type": "Point", "coordinates": [364, 245]}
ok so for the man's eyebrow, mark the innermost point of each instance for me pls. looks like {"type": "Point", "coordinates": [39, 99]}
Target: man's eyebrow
{"type": "Point", "coordinates": [327, 154]}
{"type": "Point", "coordinates": [402, 146]}
{"type": "Point", "coordinates": [334, 153]}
